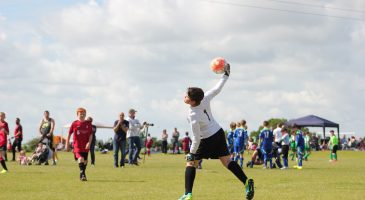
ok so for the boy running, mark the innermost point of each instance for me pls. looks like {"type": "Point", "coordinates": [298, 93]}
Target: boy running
{"type": "Point", "coordinates": [82, 137]}
{"type": "Point", "coordinates": [333, 144]}
{"type": "Point", "coordinates": [4, 132]}
{"type": "Point", "coordinates": [266, 139]}
{"type": "Point", "coordinates": [208, 140]}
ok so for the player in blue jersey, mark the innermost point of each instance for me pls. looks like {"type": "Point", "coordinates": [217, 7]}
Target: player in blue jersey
{"type": "Point", "coordinates": [266, 139]}
{"type": "Point", "coordinates": [230, 139]}
{"type": "Point", "coordinates": [239, 139]}
{"type": "Point", "coordinates": [299, 142]}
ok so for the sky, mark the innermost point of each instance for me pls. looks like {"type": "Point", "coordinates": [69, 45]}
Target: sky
{"type": "Point", "coordinates": [288, 59]}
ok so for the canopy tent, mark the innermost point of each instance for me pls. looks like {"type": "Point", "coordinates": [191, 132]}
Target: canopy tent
{"type": "Point", "coordinates": [314, 121]}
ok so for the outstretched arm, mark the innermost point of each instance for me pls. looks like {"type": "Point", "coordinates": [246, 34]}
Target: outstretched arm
{"type": "Point", "coordinates": [218, 87]}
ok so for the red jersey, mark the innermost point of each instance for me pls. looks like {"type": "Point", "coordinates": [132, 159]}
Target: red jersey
{"type": "Point", "coordinates": [18, 128]}
{"type": "Point", "coordinates": [3, 135]}
{"type": "Point", "coordinates": [149, 142]}
{"type": "Point", "coordinates": [186, 143]}
{"type": "Point", "coordinates": [81, 132]}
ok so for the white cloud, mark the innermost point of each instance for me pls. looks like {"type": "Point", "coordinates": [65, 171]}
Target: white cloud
{"type": "Point", "coordinates": [114, 55]}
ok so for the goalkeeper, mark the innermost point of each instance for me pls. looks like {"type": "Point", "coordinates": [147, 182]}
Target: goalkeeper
{"type": "Point", "coordinates": [208, 139]}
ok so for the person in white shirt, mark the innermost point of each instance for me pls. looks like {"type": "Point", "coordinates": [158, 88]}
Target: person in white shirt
{"type": "Point", "coordinates": [134, 140]}
{"type": "Point", "coordinates": [208, 138]}
{"type": "Point", "coordinates": [277, 134]}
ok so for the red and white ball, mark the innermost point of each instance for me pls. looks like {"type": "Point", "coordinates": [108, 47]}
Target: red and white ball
{"type": "Point", "coordinates": [218, 65]}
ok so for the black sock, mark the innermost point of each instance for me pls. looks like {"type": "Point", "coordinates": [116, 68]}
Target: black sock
{"type": "Point", "coordinates": [84, 168]}
{"type": "Point", "coordinates": [3, 164]}
{"type": "Point", "coordinates": [81, 166]}
{"type": "Point", "coordinates": [189, 179]}
{"type": "Point", "coordinates": [237, 171]}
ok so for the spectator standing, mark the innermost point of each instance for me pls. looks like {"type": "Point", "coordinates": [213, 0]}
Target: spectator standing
{"type": "Point", "coordinates": [46, 128]}
{"type": "Point", "coordinates": [18, 135]}
{"type": "Point", "coordinates": [93, 141]}
{"type": "Point", "coordinates": [4, 132]}
{"type": "Point", "coordinates": [121, 127]}
{"type": "Point", "coordinates": [164, 137]}
{"type": "Point", "coordinates": [134, 140]}
{"type": "Point", "coordinates": [175, 142]}
{"type": "Point", "coordinates": [343, 142]}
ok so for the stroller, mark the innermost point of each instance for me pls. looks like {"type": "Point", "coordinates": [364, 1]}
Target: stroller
{"type": "Point", "coordinates": [42, 153]}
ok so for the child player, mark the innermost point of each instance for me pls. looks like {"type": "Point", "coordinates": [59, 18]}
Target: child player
{"type": "Point", "coordinates": [208, 140]}
{"type": "Point", "coordinates": [293, 146]}
{"type": "Point", "coordinates": [266, 139]}
{"type": "Point", "coordinates": [333, 144]}
{"type": "Point", "coordinates": [186, 142]}
{"type": "Point", "coordinates": [82, 137]}
{"type": "Point", "coordinates": [299, 142]}
{"type": "Point", "coordinates": [239, 139]}
{"type": "Point", "coordinates": [230, 139]}
{"type": "Point", "coordinates": [4, 132]}
{"type": "Point", "coordinates": [285, 146]}
{"type": "Point", "coordinates": [307, 149]}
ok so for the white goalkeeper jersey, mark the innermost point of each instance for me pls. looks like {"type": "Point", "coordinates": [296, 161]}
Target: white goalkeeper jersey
{"type": "Point", "coordinates": [200, 118]}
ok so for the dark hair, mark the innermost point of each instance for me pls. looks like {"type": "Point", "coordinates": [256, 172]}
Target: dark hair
{"type": "Point", "coordinates": [195, 94]}
{"type": "Point", "coordinates": [296, 126]}
{"type": "Point", "coordinates": [266, 123]}
{"type": "Point", "coordinates": [243, 122]}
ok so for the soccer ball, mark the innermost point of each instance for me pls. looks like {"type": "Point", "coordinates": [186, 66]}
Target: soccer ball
{"type": "Point", "coordinates": [218, 65]}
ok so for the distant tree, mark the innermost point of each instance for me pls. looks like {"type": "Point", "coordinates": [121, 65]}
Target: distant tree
{"type": "Point", "coordinates": [273, 123]}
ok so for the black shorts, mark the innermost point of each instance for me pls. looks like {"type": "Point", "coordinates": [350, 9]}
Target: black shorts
{"type": "Point", "coordinates": [213, 147]}
{"type": "Point", "coordinates": [285, 151]}
{"type": "Point", "coordinates": [334, 149]}
{"type": "Point", "coordinates": [84, 155]}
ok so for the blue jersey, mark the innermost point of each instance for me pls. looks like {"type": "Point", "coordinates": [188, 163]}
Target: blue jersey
{"type": "Point", "coordinates": [239, 137]}
{"type": "Point", "coordinates": [299, 139]}
{"type": "Point", "coordinates": [230, 138]}
{"type": "Point", "coordinates": [267, 137]}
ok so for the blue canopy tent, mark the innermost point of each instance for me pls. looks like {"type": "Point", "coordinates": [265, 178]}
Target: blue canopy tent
{"type": "Point", "coordinates": [314, 121]}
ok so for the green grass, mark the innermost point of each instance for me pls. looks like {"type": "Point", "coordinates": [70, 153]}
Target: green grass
{"type": "Point", "coordinates": [162, 178]}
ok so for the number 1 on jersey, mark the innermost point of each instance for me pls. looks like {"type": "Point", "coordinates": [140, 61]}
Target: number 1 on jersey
{"type": "Point", "coordinates": [205, 111]}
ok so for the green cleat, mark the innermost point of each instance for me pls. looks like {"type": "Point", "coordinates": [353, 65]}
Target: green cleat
{"type": "Point", "coordinates": [250, 192]}
{"type": "Point", "coordinates": [187, 196]}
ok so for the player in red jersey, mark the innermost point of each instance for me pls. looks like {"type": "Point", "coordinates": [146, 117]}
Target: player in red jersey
{"type": "Point", "coordinates": [18, 135]}
{"type": "Point", "coordinates": [4, 132]}
{"type": "Point", "coordinates": [82, 137]}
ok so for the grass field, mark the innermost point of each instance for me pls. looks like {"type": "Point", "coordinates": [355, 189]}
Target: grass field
{"type": "Point", "coordinates": [162, 177]}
